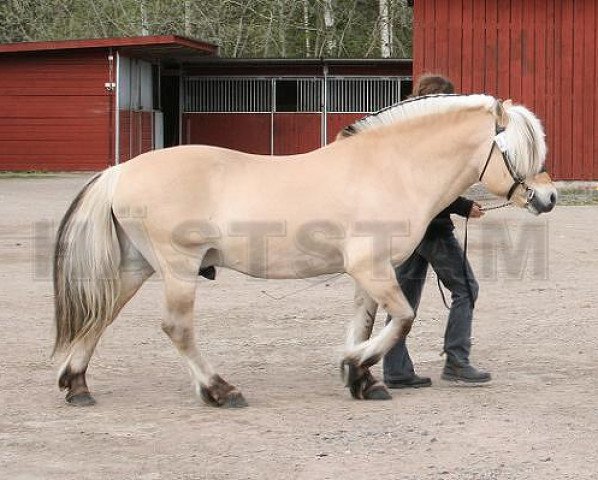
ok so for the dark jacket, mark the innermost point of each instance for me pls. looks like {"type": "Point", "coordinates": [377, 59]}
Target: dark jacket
{"type": "Point", "coordinates": [442, 223]}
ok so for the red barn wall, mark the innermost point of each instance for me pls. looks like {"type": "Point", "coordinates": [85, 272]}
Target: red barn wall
{"type": "Point", "coordinates": [251, 132]}
{"type": "Point", "coordinates": [297, 133]}
{"type": "Point", "coordinates": [541, 53]}
{"type": "Point", "coordinates": [247, 132]}
{"type": "Point", "coordinates": [55, 113]}
{"type": "Point", "coordinates": [136, 133]}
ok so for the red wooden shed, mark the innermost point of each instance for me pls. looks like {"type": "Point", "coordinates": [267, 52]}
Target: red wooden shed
{"type": "Point", "coordinates": [84, 104]}
{"type": "Point", "coordinates": [541, 53]}
{"type": "Point", "coordinates": [88, 104]}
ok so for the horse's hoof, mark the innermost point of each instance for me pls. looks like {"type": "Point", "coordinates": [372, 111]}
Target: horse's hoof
{"type": "Point", "coordinates": [377, 392]}
{"type": "Point", "coordinates": [355, 389]}
{"type": "Point", "coordinates": [207, 397]}
{"type": "Point", "coordinates": [81, 400]}
{"type": "Point", "coordinates": [64, 380]}
{"type": "Point", "coordinates": [235, 400]}
{"type": "Point", "coordinates": [350, 374]}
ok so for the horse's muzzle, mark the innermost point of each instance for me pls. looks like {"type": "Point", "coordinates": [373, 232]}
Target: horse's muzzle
{"type": "Point", "coordinates": [543, 202]}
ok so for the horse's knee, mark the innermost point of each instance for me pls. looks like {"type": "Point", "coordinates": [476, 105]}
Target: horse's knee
{"type": "Point", "coordinates": [406, 324]}
{"type": "Point", "coordinates": [401, 327]}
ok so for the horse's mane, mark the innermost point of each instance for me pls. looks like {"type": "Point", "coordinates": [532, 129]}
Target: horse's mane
{"type": "Point", "coordinates": [417, 107]}
{"type": "Point", "coordinates": [524, 131]}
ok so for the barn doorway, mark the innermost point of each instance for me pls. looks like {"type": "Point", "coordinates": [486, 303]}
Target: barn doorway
{"type": "Point", "coordinates": [170, 85]}
{"type": "Point", "coordinates": [297, 115]}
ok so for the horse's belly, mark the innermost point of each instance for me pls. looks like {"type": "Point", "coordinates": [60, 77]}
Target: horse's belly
{"type": "Point", "coordinates": [271, 257]}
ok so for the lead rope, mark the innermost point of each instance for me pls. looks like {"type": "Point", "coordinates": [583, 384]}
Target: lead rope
{"type": "Point", "coordinates": [465, 275]}
{"type": "Point", "coordinates": [495, 207]}
{"type": "Point", "coordinates": [464, 264]}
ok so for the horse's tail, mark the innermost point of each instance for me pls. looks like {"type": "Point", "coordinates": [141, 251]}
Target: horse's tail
{"type": "Point", "coordinates": [86, 263]}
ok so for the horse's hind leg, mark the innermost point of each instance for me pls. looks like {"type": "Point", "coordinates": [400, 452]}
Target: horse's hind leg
{"type": "Point", "coordinates": [178, 325]}
{"type": "Point", "coordinates": [133, 272]}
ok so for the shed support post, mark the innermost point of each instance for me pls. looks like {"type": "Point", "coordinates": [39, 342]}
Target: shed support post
{"type": "Point", "coordinates": [117, 112]}
{"type": "Point", "coordinates": [324, 139]}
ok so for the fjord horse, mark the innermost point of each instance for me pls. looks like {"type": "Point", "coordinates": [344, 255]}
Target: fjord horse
{"type": "Point", "coordinates": [360, 207]}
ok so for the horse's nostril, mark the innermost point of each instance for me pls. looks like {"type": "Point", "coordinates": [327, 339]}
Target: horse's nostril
{"type": "Point", "coordinates": [552, 202]}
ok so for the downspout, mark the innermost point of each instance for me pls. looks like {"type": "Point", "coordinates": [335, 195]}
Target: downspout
{"type": "Point", "coordinates": [272, 109]}
{"type": "Point", "coordinates": [181, 75]}
{"type": "Point", "coordinates": [117, 112]}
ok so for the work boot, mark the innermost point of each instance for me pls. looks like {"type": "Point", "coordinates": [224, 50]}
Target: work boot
{"type": "Point", "coordinates": [413, 381]}
{"type": "Point", "coordinates": [464, 373]}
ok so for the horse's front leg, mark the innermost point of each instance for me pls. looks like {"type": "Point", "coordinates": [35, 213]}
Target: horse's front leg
{"type": "Point", "coordinates": [363, 384]}
{"type": "Point", "coordinates": [376, 285]}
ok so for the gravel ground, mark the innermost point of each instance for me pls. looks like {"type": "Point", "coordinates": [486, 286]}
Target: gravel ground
{"type": "Point", "coordinates": [535, 329]}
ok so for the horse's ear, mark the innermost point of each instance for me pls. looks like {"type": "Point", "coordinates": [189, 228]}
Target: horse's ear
{"type": "Point", "coordinates": [502, 119]}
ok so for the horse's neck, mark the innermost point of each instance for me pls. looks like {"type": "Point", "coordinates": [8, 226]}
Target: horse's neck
{"type": "Point", "coordinates": [442, 165]}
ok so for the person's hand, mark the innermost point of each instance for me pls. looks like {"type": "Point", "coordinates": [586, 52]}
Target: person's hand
{"type": "Point", "coordinates": [476, 211]}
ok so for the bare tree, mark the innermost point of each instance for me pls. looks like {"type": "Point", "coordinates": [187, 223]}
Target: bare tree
{"type": "Point", "coordinates": [385, 30]}
{"type": "Point", "coordinates": [306, 28]}
{"type": "Point", "coordinates": [329, 27]}
{"type": "Point", "coordinates": [250, 28]}
{"type": "Point", "coordinates": [187, 17]}
{"type": "Point", "coordinates": [143, 15]}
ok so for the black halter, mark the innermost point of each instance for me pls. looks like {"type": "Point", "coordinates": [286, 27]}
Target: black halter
{"type": "Point", "coordinates": [517, 179]}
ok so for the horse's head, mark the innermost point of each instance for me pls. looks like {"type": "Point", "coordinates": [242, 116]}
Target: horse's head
{"type": "Point", "coordinates": [515, 167]}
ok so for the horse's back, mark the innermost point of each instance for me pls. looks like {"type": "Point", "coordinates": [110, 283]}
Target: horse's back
{"type": "Point", "coordinates": [183, 171]}
{"type": "Point", "coordinates": [198, 175]}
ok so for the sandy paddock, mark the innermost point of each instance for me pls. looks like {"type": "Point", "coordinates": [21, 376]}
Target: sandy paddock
{"type": "Point", "coordinates": [536, 329]}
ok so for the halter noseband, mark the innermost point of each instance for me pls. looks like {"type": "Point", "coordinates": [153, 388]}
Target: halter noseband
{"type": "Point", "coordinates": [500, 141]}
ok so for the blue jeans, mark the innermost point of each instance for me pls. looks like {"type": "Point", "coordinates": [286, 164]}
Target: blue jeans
{"type": "Point", "coordinates": [445, 255]}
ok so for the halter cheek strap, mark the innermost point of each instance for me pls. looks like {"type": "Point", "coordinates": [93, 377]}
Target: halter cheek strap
{"type": "Point", "coordinates": [500, 141]}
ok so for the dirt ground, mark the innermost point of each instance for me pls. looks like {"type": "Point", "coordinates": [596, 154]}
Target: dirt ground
{"type": "Point", "coordinates": [536, 329]}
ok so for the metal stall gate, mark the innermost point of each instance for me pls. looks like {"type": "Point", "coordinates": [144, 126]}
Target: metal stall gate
{"type": "Point", "coordinates": [282, 115]}
{"type": "Point", "coordinates": [350, 98]}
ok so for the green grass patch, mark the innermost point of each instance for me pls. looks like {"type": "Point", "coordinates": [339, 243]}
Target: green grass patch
{"type": "Point", "coordinates": [29, 174]}
{"type": "Point", "coordinates": [578, 197]}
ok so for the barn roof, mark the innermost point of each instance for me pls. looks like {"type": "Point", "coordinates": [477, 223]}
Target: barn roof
{"type": "Point", "coordinates": [164, 47]}
{"type": "Point", "coordinates": [300, 66]}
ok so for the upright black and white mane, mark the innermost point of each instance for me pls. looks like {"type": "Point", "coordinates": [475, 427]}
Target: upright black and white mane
{"type": "Point", "coordinates": [524, 132]}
